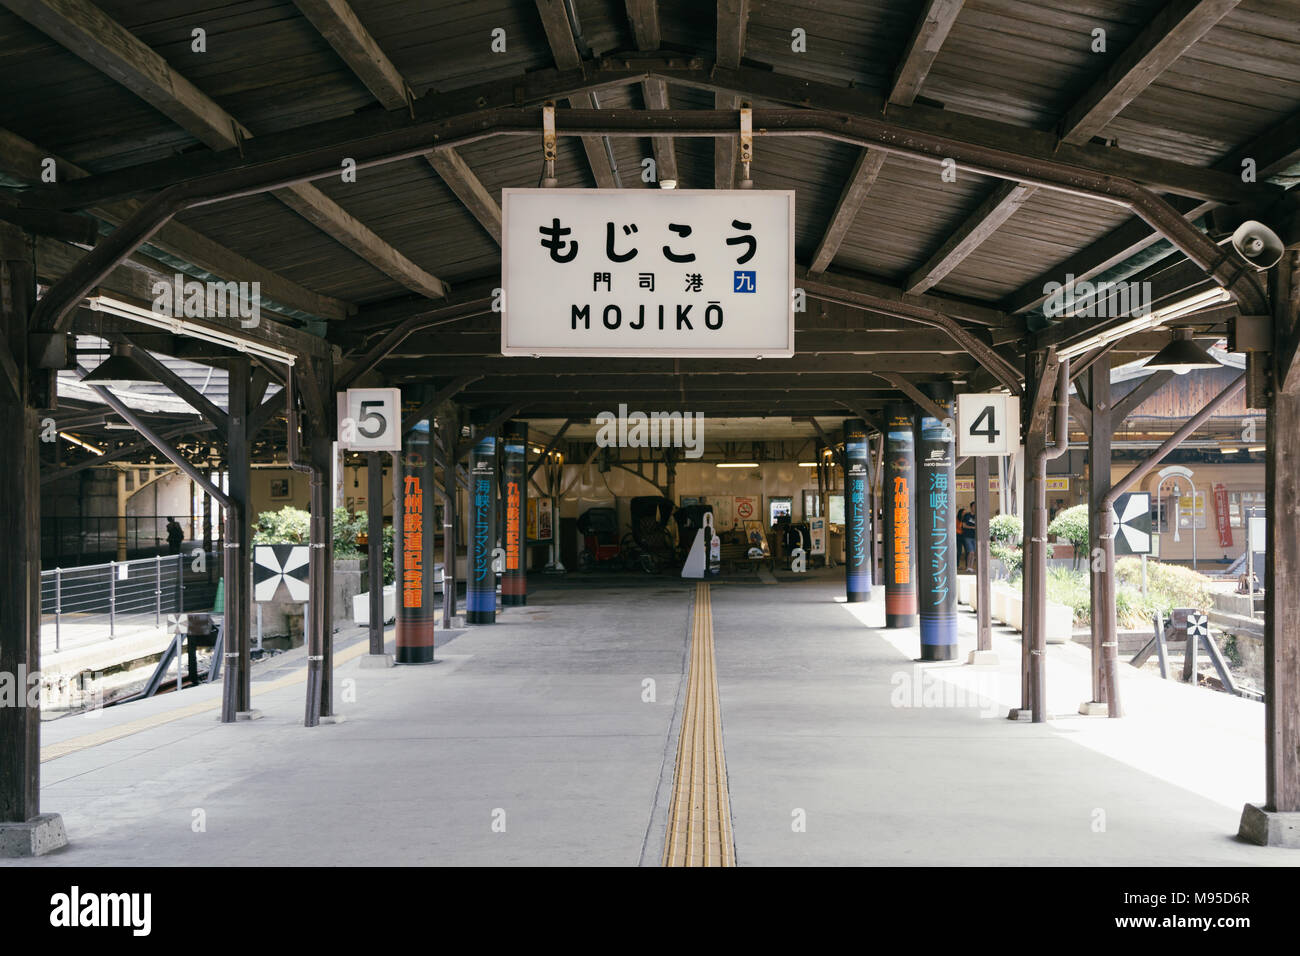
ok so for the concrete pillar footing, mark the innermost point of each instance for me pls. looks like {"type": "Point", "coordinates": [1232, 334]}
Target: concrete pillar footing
{"type": "Point", "coordinates": [1270, 827]}
{"type": "Point", "coordinates": [1020, 713]}
{"type": "Point", "coordinates": [334, 719]}
{"type": "Point", "coordinates": [248, 715]}
{"type": "Point", "coordinates": [38, 836]}
{"type": "Point", "coordinates": [982, 657]}
{"type": "Point", "coordinates": [377, 661]}
{"type": "Point", "coordinates": [1094, 708]}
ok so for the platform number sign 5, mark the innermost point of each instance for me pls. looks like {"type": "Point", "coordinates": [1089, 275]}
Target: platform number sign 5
{"type": "Point", "coordinates": [988, 424]}
{"type": "Point", "coordinates": [370, 419]}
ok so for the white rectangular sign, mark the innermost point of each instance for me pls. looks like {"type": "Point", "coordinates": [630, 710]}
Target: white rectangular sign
{"type": "Point", "coordinates": [370, 419]}
{"type": "Point", "coordinates": [706, 273]}
{"type": "Point", "coordinates": [987, 424]}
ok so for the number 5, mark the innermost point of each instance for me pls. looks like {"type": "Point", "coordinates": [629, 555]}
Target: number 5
{"type": "Point", "coordinates": [367, 416]}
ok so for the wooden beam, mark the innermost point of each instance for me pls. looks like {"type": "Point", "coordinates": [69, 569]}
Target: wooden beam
{"type": "Point", "coordinates": [936, 19]}
{"type": "Point", "coordinates": [924, 401]}
{"type": "Point", "coordinates": [550, 447]}
{"type": "Point", "coordinates": [22, 160]}
{"type": "Point", "coordinates": [1081, 414]}
{"type": "Point", "coordinates": [1125, 407]}
{"type": "Point", "coordinates": [338, 24]}
{"type": "Point", "coordinates": [469, 189]}
{"type": "Point", "coordinates": [999, 206]}
{"type": "Point", "coordinates": [559, 36]}
{"type": "Point", "coordinates": [854, 194]}
{"type": "Point", "coordinates": [644, 17]}
{"type": "Point", "coordinates": [732, 24]}
{"type": "Point", "coordinates": [938, 365]}
{"type": "Point", "coordinates": [446, 393]}
{"type": "Point", "coordinates": [111, 48]}
{"type": "Point", "coordinates": [125, 451]}
{"type": "Point", "coordinates": [1168, 35]}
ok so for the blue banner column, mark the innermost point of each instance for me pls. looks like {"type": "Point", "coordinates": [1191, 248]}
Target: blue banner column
{"type": "Point", "coordinates": [898, 499]}
{"type": "Point", "coordinates": [481, 588]}
{"type": "Point", "coordinates": [936, 536]}
{"type": "Point", "coordinates": [514, 495]}
{"type": "Point", "coordinates": [413, 539]}
{"type": "Point", "coordinates": [857, 523]}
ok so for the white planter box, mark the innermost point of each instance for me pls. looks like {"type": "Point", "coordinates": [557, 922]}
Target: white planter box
{"type": "Point", "coordinates": [966, 589]}
{"type": "Point", "coordinates": [361, 606]}
{"type": "Point", "coordinates": [1060, 623]}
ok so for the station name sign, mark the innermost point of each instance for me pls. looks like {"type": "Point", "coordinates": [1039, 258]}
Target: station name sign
{"type": "Point", "coordinates": [683, 273]}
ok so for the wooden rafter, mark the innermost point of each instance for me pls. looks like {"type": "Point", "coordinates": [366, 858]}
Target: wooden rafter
{"type": "Point", "coordinates": [338, 24]}
{"type": "Point", "coordinates": [732, 20]}
{"type": "Point", "coordinates": [936, 19]}
{"type": "Point", "coordinates": [559, 35]}
{"type": "Point", "coordinates": [22, 160]}
{"type": "Point", "coordinates": [854, 194]}
{"type": "Point", "coordinates": [1168, 35]}
{"type": "Point", "coordinates": [644, 17]}
{"type": "Point", "coordinates": [111, 48]}
{"type": "Point", "coordinates": [997, 208]}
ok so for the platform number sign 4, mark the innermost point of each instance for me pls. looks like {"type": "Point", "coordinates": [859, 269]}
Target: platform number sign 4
{"type": "Point", "coordinates": [988, 424]}
{"type": "Point", "coordinates": [370, 419]}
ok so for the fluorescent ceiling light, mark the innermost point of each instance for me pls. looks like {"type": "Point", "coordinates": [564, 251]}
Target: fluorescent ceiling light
{"type": "Point", "coordinates": [737, 464]}
{"type": "Point", "coordinates": [77, 441]}
{"type": "Point", "coordinates": [667, 184]}
{"type": "Point", "coordinates": [808, 464]}
{"type": "Point", "coordinates": [1142, 323]}
{"type": "Point", "coordinates": [1255, 448]}
{"type": "Point", "coordinates": [177, 326]}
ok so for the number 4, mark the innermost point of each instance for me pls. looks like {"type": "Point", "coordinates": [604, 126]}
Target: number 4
{"type": "Point", "coordinates": [991, 432]}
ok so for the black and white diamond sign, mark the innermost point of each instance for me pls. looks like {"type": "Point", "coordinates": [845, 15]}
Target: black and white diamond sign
{"type": "Point", "coordinates": [1198, 625]}
{"type": "Point", "coordinates": [276, 563]}
{"type": "Point", "coordinates": [1132, 516]}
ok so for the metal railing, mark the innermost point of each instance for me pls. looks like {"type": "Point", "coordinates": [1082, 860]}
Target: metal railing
{"type": "Point", "coordinates": [87, 604]}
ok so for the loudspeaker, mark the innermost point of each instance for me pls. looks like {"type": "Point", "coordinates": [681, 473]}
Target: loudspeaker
{"type": "Point", "coordinates": [1257, 244]}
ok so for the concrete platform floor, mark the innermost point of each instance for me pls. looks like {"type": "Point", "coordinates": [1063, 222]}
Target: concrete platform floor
{"type": "Point", "coordinates": [540, 741]}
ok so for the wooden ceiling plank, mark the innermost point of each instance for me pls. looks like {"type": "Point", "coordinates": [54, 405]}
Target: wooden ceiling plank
{"type": "Point", "coordinates": [109, 47]}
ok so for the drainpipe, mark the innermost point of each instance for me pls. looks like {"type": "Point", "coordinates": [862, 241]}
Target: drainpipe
{"type": "Point", "coordinates": [1106, 581]}
{"type": "Point", "coordinates": [1038, 536]}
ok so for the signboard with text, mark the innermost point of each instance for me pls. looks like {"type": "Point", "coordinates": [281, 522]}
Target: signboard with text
{"type": "Point", "coordinates": [989, 424]}
{"type": "Point", "coordinates": [635, 272]}
{"type": "Point", "coordinates": [370, 419]}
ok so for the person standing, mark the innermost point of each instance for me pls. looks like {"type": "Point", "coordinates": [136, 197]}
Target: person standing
{"type": "Point", "coordinates": [174, 536]}
{"type": "Point", "coordinates": [961, 538]}
{"type": "Point", "coordinates": [968, 535]}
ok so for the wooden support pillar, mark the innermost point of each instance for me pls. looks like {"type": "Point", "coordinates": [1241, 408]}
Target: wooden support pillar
{"type": "Point", "coordinates": [375, 548]}
{"type": "Point", "coordinates": [24, 830]}
{"type": "Point", "coordinates": [983, 618]}
{"type": "Point", "coordinates": [236, 698]}
{"type": "Point", "coordinates": [1034, 440]}
{"type": "Point", "coordinates": [1277, 822]}
{"type": "Point", "coordinates": [320, 637]}
{"type": "Point", "coordinates": [1103, 427]}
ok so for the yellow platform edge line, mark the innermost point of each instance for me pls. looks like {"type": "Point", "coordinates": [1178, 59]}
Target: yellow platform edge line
{"type": "Point", "coordinates": [699, 823]}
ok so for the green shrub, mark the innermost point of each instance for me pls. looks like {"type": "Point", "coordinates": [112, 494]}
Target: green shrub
{"type": "Point", "coordinates": [1072, 525]}
{"type": "Point", "coordinates": [1073, 589]}
{"type": "Point", "coordinates": [292, 525]}
{"type": "Point", "coordinates": [1006, 529]}
{"type": "Point", "coordinates": [1168, 586]}
{"type": "Point", "coordinates": [289, 525]}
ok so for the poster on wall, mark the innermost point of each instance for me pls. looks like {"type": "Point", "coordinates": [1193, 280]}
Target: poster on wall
{"type": "Point", "coordinates": [746, 509]}
{"type": "Point", "coordinates": [530, 520]}
{"type": "Point", "coordinates": [724, 512]}
{"type": "Point", "coordinates": [539, 519]}
{"type": "Point", "coordinates": [756, 539]}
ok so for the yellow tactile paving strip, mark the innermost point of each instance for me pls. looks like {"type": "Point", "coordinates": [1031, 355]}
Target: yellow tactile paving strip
{"type": "Point", "coordinates": [699, 818]}
{"type": "Point", "coordinates": [118, 731]}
